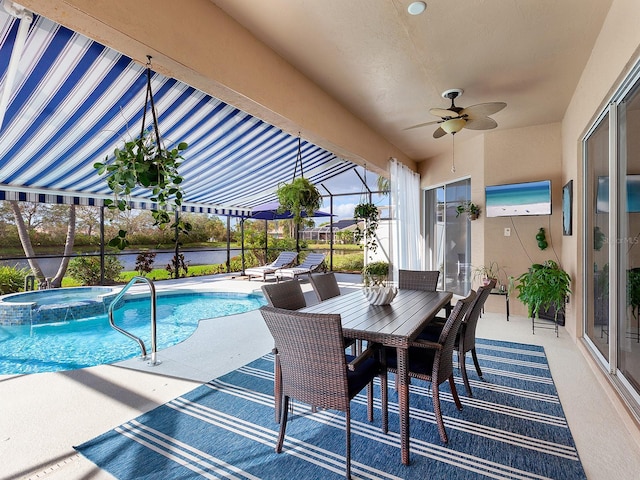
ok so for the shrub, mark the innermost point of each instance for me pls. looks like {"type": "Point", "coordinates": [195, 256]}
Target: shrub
{"type": "Point", "coordinates": [12, 279]}
{"type": "Point", "coordinates": [144, 263]}
{"type": "Point", "coordinates": [86, 270]}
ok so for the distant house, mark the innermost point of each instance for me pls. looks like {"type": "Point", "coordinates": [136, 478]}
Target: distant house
{"type": "Point", "coordinates": [322, 234]}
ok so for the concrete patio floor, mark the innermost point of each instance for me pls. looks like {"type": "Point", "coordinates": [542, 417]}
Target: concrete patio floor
{"type": "Point", "coordinates": [44, 415]}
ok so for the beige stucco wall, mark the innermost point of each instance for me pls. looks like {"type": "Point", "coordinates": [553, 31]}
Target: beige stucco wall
{"type": "Point", "coordinates": [199, 44]}
{"type": "Point", "coordinates": [506, 156]}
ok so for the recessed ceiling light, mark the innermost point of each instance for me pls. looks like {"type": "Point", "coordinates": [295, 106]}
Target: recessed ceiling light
{"type": "Point", "coordinates": [416, 8]}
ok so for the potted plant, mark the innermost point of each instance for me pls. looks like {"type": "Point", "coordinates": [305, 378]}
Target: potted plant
{"type": "Point", "coordinates": [371, 216]}
{"type": "Point", "coordinates": [376, 290]}
{"type": "Point", "coordinates": [544, 286]}
{"type": "Point", "coordinates": [491, 270]}
{"type": "Point", "coordinates": [144, 162]}
{"type": "Point", "coordinates": [299, 196]}
{"type": "Point", "coordinates": [470, 208]}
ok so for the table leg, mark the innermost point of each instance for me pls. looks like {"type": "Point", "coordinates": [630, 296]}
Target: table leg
{"type": "Point", "coordinates": [402, 386]}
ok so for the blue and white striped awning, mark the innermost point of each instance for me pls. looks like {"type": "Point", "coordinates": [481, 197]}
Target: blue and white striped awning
{"type": "Point", "coordinates": [73, 101]}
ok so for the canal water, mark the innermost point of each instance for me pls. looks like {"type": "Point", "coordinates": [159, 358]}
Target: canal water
{"type": "Point", "coordinates": [50, 266]}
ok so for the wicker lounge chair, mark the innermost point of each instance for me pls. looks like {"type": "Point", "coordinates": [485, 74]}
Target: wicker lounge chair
{"type": "Point", "coordinates": [466, 338]}
{"type": "Point", "coordinates": [285, 259]}
{"type": "Point", "coordinates": [312, 356]}
{"type": "Point", "coordinates": [433, 361]}
{"type": "Point", "coordinates": [426, 280]}
{"type": "Point", "coordinates": [311, 264]}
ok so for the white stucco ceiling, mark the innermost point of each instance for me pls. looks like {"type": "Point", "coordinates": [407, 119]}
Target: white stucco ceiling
{"type": "Point", "coordinates": [389, 67]}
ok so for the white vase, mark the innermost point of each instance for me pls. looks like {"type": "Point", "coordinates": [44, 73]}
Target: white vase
{"type": "Point", "coordinates": [379, 295]}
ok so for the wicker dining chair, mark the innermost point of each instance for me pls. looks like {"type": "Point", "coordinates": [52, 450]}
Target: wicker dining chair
{"type": "Point", "coordinates": [315, 369]}
{"type": "Point", "coordinates": [325, 285]}
{"type": "Point", "coordinates": [433, 361]}
{"type": "Point", "coordinates": [418, 279]}
{"type": "Point", "coordinates": [466, 338]}
{"type": "Point", "coordinates": [287, 295]}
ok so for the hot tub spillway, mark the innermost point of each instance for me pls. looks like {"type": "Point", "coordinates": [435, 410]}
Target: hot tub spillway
{"type": "Point", "coordinates": [54, 305]}
{"type": "Point", "coordinates": [72, 311]}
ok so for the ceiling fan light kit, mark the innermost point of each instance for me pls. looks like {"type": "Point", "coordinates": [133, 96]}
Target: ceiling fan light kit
{"type": "Point", "coordinates": [453, 125]}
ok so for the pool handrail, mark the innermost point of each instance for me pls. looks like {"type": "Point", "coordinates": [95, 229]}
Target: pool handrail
{"type": "Point", "coordinates": [115, 301]}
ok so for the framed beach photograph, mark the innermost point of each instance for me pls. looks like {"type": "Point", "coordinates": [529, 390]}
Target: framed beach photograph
{"type": "Point", "coordinates": [567, 204]}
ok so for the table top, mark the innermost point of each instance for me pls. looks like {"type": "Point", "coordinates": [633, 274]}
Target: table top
{"type": "Point", "coordinates": [395, 324]}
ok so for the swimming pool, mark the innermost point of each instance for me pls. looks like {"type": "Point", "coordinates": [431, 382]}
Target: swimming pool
{"type": "Point", "coordinates": [68, 345]}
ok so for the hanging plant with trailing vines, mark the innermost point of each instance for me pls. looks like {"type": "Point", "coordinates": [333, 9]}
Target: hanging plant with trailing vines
{"type": "Point", "coordinates": [145, 163]}
{"type": "Point", "coordinates": [369, 213]}
{"type": "Point", "coordinates": [300, 196]}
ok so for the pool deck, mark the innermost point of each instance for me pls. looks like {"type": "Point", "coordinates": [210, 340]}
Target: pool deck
{"type": "Point", "coordinates": [42, 416]}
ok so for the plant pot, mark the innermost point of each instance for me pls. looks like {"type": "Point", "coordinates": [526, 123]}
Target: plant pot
{"type": "Point", "coordinates": [380, 295]}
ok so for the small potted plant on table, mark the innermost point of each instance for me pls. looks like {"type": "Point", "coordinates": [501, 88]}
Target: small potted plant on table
{"type": "Point", "coordinates": [376, 290]}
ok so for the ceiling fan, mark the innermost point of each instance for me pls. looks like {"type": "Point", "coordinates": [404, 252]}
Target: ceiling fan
{"type": "Point", "coordinates": [454, 119]}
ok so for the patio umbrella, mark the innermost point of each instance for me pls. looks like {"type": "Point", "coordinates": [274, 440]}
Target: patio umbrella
{"type": "Point", "coordinates": [269, 211]}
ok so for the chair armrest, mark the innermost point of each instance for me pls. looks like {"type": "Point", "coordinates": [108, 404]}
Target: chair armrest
{"type": "Point", "coordinates": [425, 344]}
{"type": "Point", "coordinates": [368, 352]}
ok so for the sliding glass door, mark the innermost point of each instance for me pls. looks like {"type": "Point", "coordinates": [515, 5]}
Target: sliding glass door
{"type": "Point", "coordinates": [612, 237]}
{"type": "Point", "coordinates": [448, 236]}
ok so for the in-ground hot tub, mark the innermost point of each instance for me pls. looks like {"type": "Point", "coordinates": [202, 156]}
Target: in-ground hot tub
{"type": "Point", "coordinates": [54, 305]}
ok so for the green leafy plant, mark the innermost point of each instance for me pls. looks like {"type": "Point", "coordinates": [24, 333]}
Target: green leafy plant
{"type": "Point", "coordinates": [299, 196]}
{"type": "Point", "coordinates": [470, 208]}
{"type": "Point", "coordinates": [371, 216]}
{"type": "Point", "coordinates": [12, 279]}
{"type": "Point", "coordinates": [633, 290]}
{"type": "Point", "coordinates": [86, 270]}
{"type": "Point", "coordinates": [543, 286]}
{"type": "Point", "coordinates": [375, 274]}
{"type": "Point", "coordinates": [489, 271]}
{"type": "Point", "coordinates": [144, 163]}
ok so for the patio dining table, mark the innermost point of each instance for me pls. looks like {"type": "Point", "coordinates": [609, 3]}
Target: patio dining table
{"type": "Point", "coordinates": [393, 325]}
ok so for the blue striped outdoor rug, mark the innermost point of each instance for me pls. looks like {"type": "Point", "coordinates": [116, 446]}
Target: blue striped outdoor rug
{"type": "Point", "coordinates": [513, 427]}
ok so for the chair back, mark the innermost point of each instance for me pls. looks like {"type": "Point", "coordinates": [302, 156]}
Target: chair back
{"type": "Point", "coordinates": [426, 280]}
{"type": "Point", "coordinates": [284, 259]}
{"type": "Point", "coordinates": [287, 295]}
{"type": "Point", "coordinates": [325, 285]}
{"type": "Point", "coordinates": [468, 327]}
{"type": "Point", "coordinates": [311, 350]}
{"type": "Point", "coordinates": [448, 336]}
{"type": "Point", "coordinates": [312, 260]}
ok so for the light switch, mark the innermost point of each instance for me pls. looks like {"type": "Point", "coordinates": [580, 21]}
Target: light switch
{"type": "Point", "coordinates": [507, 232]}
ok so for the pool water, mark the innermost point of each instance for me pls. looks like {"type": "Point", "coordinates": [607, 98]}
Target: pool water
{"type": "Point", "coordinates": [81, 343]}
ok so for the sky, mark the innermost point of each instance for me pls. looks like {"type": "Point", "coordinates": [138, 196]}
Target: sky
{"type": "Point", "coordinates": [348, 182]}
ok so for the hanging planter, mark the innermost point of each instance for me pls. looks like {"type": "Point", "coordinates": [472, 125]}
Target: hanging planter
{"type": "Point", "coordinates": [300, 196]}
{"type": "Point", "coordinates": [369, 213]}
{"type": "Point", "coordinates": [145, 163]}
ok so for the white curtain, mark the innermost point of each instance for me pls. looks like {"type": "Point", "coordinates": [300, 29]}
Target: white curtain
{"type": "Point", "coordinates": [406, 236]}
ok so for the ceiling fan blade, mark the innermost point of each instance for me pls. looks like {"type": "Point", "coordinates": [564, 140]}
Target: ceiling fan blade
{"type": "Point", "coordinates": [443, 112]}
{"type": "Point", "coordinates": [483, 109]}
{"type": "Point", "coordinates": [422, 125]}
{"type": "Point", "coordinates": [439, 133]}
{"type": "Point", "coordinates": [481, 123]}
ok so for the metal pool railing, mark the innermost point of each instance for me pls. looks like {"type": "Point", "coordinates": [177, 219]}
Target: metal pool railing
{"type": "Point", "coordinates": [115, 302]}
